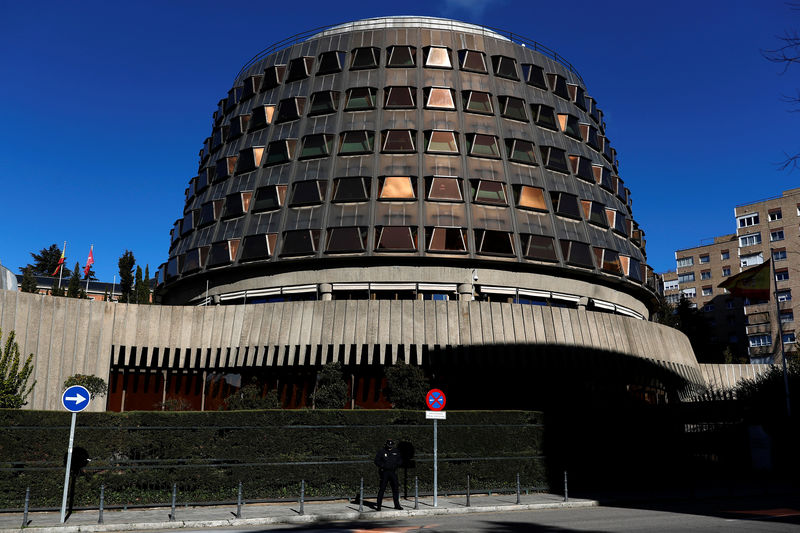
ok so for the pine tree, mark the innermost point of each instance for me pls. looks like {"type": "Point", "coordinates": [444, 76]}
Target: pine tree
{"type": "Point", "coordinates": [56, 290]}
{"type": "Point", "coordinates": [138, 286]}
{"type": "Point", "coordinates": [28, 281]}
{"type": "Point", "coordinates": [74, 287]}
{"type": "Point", "coordinates": [105, 296]}
{"type": "Point", "coordinates": [46, 261]}
{"type": "Point", "coordinates": [146, 285]}
{"type": "Point", "coordinates": [126, 264]}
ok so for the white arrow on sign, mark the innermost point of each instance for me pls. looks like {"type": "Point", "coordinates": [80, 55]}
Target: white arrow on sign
{"type": "Point", "coordinates": [78, 399]}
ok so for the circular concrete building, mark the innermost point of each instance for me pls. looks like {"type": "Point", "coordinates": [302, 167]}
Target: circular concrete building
{"type": "Point", "coordinates": [408, 158]}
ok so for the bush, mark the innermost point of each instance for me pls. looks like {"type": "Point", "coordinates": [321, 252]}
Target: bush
{"type": "Point", "coordinates": [95, 385]}
{"type": "Point", "coordinates": [14, 388]}
{"type": "Point", "coordinates": [406, 386]}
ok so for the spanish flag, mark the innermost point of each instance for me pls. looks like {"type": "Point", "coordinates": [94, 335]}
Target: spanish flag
{"type": "Point", "coordinates": [60, 261]}
{"type": "Point", "coordinates": [753, 283]}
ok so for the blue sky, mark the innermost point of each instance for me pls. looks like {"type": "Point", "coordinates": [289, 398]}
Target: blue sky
{"type": "Point", "coordinates": [105, 106]}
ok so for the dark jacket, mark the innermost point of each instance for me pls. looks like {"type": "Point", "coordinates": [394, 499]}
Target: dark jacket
{"type": "Point", "coordinates": [388, 459]}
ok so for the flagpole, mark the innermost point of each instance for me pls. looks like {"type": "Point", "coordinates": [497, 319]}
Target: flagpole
{"type": "Point", "coordinates": [780, 336]}
{"type": "Point", "coordinates": [91, 247]}
{"type": "Point", "coordinates": [61, 270]}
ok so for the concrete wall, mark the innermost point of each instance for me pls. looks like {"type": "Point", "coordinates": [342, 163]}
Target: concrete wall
{"type": "Point", "coordinates": [70, 336]}
{"type": "Point", "coordinates": [719, 377]}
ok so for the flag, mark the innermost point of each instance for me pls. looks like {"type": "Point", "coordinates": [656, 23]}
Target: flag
{"type": "Point", "coordinates": [89, 262]}
{"type": "Point", "coordinates": [61, 260]}
{"type": "Point", "coordinates": [753, 283]}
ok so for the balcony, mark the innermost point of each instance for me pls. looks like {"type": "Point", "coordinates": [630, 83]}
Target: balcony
{"type": "Point", "coordinates": [759, 328]}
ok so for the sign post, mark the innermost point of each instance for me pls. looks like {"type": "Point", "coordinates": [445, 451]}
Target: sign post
{"type": "Point", "coordinates": [75, 399]}
{"type": "Point", "coordinates": [435, 400]}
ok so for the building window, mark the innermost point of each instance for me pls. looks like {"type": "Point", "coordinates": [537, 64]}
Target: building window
{"type": "Point", "coordinates": [324, 103]}
{"type": "Point", "coordinates": [238, 125]}
{"type": "Point", "coordinates": [530, 198]}
{"type": "Point", "coordinates": [258, 246]}
{"type": "Point", "coordinates": [480, 145]}
{"type": "Point", "coordinates": [707, 291]}
{"type": "Point", "coordinates": [396, 238]}
{"type": "Point", "coordinates": [608, 260]}
{"type": "Point", "coordinates": [785, 295]}
{"type": "Point", "coordinates": [513, 108]}
{"type": "Point", "coordinates": [565, 204]}
{"type": "Point", "coordinates": [351, 189]}
{"type": "Point", "coordinates": [582, 167]}
{"type": "Point", "coordinates": [751, 259]}
{"type": "Point", "coordinates": [726, 271]}
{"type": "Point", "coordinates": [441, 142]}
{"type": "Point", "coordinates": [290, 109]}
{"type": "Point", "coordinates": [399, 141]}
{"type": "Point", "coordinates": [746, 221]}
{"type": "Point", "coordinates": [402, 56]}
{"type": "Point", "coordinates": [437, 57]}
{"type": "Point", "coordinates": [272, 77]}
{"type": "Point", "coordinates": [704, 259]}
{"type": "Point", "coordinates": [570, 126]}
{"type": "Point", "coordinates": [249, 159]}
{"type": "Point", "coordinates": [365, 58]}
{"type": "Point", "coordinates": [489, 192]}
{"type": "Point", "coordinates": [708, 308]}
{"type": "Point", "coordinates": [554, 159]}
{"type": "Point", "coordinates": [397, 188]}
{"type": "Point", "coordinates": [210, 212]}
{"type": "Point", "coordinates": [749, 240]}
{"type": "Point", "coordinates": [539, 247]}
{"type": "Point", "coordinates": [356, 142]}
{"type": "Point", "coordinates": [472, 60]}
{"type": "Point", "coordinates": [447, 239]}
{"type": "Point", "coordinates": [300, 68]}
{"type": "Point", "coordinates": [618, 221]}
{"type": "Point", "coordinates": [774, 215]}
{"type": "Point", "coordinates": [400, 97]}
{"type": "Point", "coordinates": [269, 198]}
{"type": "Point", "coordinates": [439, 98]}
{"type": "Point", "coordinates": [225, 167]}
{"type": "Point", "coordinates": [533, 75]}
{"type": "Point", "coordinates": [558, 84]}
{"type": "Point", "coordinates": [787, 316]}
{"type": "Point", "coordinates": [577, 95]}
{"type": "Point", "coordinates": [544, 116]}
{"type": "Point", "coordinates": [671, 285]}
{"type": "Point", "coordinates": [317, 145]}
{"type": "Point", "coordinates": [603, 177]}
{"type": "Point", "coordinates": [331, 62]}
{"type": "Point", "coordinates": [759, 340]}
{"type": "Point", "coordinates": [779, 255]}
{"type": "Point", "coordinates": [686, 278]}
{"type": "Point", "coordinates": [776, 235]}
{"type": "Point", "coordinates": [300, 242]}
{"type": "Point", "coordinates": [724, 255]}
{"type": "Point", "coordinates": [261, 116]}
{"type": "Point", "coordinates": [520, 151]}
{"type": "Point", "coordinates": [589, 136]}
{"type": "Point", "coordinates": [492, 242]}
{"type": "Point", "coordinates": [360, 98]}
{"type": "Point", "coordinates": [444, 189]}
{"type": "Point", "coordinates": [595, 213]}
{"type": "Point", "coordinates": [223, 252]}
{"type": "Point", "coordinates": [782, 275]}
{"type": "Point", "coordinates": [477, 102]}
{"type": "Point", "coordinates": [789, 338]}
{"type": "Point", "coordinates": [346, 240]}
{"type": "Point", "coordinates": [280, 151]}
{"type": "Point", "coordinates": [237, 204]}
{"type": "Point", "coordinates": [691, 292]}
{"type": "Point", "coordinates": [705, 274]}
{"type": "Point", "coordinates": [309, 192]}
{"type": "Point", "coordinates": [576, 253]}
{"type": "Point", "coordinates": [505, 67]}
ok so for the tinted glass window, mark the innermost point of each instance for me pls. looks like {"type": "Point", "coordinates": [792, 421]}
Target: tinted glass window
{"type": "Point", "coordinates": [318, 145]}
{"type": "Point", "coordinates": [494, 242]}
{"type": "Point", "coordinates": [356, 142]}
{"type": "Point", "coordinates": [444, 189]}
{"type": "Point", "coordinates": [544, 116]}
{"type": "Point", "coordinates": [490, 192]}
{"type": "Point", "coordinates": [447, 240]}
{"type": "Point", "coordinates": [398, 141]}
{"type": "Point", "coordinates": [513, 108]}
{"type": "Point", "coordinates": [300, 242]}
{"type": "Point", "coordinates": [402, 56]}
{"type": "Point", "coordinates": [346, 240]}
{"type": "Point", "coordinates": [300, 68]}
{"type": "Point", "coordinates": [554, 158]}
{"type": "Point", "coordinates": [360, 98]}
{"type": "Point", "coordinates": [505, 67]}
{"type": "Point", "coordinates": [400, 97]}
{"type": "Point", "coordinates": [307, 192]}
{"type": "Point", "coordinates": [397, 188]}
{"type": "Point", "coordinates": [290, 109]}
{"type": "Point", "coordinates": [269, 198]}
{"type": "Point", "coordinates": [258, 246]}
{"type": "Point", "coordinates": [365, 58]}
{"type": "Point", "coordinates": [398, 238]}
{"type": "Point", "coordinates": [350, 190]}
{"type": "Point", "coordinates": [569, 125]}
{"type": "Point", "coordinates": [482, 145]}
{"type": "Point", "coordinates": [330, 62]}
{"type": "Point", "coordinates": [478, 102]}
{"type": "Point", "coordinates": [565, 204]}
{"type": "Point", "coordinates": [531, 198]}
{"type": "Point", "coordinates": [324, 103]}
{"type": "Point", "coordinates": [437, 56]}
{"type": "Point", "coordinates": [472, 60]}
{"type": "Point", "coordinates": [520, 151]}
{"type": "Point", "coordinates": [534, 75]}
{"type": "Point", "coordinates": [439, 98]}
{"type": "Point", "coordinates": [541, 248]}
{"type": "Point", "coordinates": [442, 142]}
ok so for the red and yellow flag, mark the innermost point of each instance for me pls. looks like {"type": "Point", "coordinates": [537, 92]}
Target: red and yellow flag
{"type": "Point", "coordinates": [60, 261]}
{"type": "Point", "coordinates": [753, 283]}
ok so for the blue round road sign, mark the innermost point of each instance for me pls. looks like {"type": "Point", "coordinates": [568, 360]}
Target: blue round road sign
{"type": "Point", "coordinates": [435, 400]}
{"type": "Point", "coordinates": [75, 399]}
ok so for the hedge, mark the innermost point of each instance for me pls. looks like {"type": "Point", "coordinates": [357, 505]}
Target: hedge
{"type": "Point", "coordinates": [139, 455]}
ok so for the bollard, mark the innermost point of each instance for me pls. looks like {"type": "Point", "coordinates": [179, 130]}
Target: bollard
{"type": "Point", "coordinates": [27, 503]}
{"type": "Point", "coordinates": [467, 490]}
{"type": "Point", "coordinates": [174, 495]}
{"type": "Point", "coordinates": [416, 492]}
{"type": "Point", "coordinates": [517, 488]}
{"type": "Point", "coordinates": [302, 495]}
{"type": "Point", "coordinates": [566, 494]}
{"type": "Point", "coordinates": [361, 497]}
{"type": "Point", "coordinates": [102, 501]}
{"type": "Point", "coordinates": [239, 502]}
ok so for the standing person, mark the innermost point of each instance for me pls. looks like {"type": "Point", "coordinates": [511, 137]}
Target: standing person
{"type": "Point", "coordinates": [387, 460]}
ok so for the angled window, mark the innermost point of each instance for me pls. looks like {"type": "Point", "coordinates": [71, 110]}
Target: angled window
{"type": "Point", "coordinates": [249, 159]}
{"type": "Point", "coordinates": [565, 204]}
{"type": "Point", "coordinates": [194, 259]}
{"type": "Point", "coordinates": [608, 260]}
{"type": "Point", "coordinates": [290, 109]}
{"type": "Point", "coordinates": [280, 151]}
{"type": "Point", "coordinates": [210, 212]}
{"type": "Point", "coordinates": [251, 86]}
{"type": "Point", "coordinates": [364, 58]}
{"type": "Point", "coordinates": [238, 125]}
{"type": "Point", "coordinates": [219, 136]}
{"type": "Point", "coordinates": [401, 56]}
{"type": "Point", "coordinates": [258, 246]}
{"type": "Point", "coordinates": [439, 98]}
{"type": "Point", "coordinates": [606, 147]}
{"type": "Point", "coordinates": [520, 151]}
{"type": "Point", "coordinates": [513, 108]}
{"type": "Point", "coordinates": [576, 253]}
{"type": "Point", "coordinates": [472, 60]}
{"type": "Point", "coordinates": [577, 95]}
{"type": "Point", "coordinates": [441, 142]}
{"type": "Point", "coordinates": [398, 141]}
{"type": "Point", "coordinates": [396, 238]}
{"type": "Point", "coordinates": [272, 77]}
{"type": "Point", "coordinates": [188, 223]}
{"type": "Point", "coordinates": [554, 158]}
{"type": "Point", "coordinates": [331, 62]}
{"type": "Point", "coordinates": [309, 192]}
{"type": "Point", "coordinates": [477, 102]}
{"type": "Point", "coordinates": [317, 145]}
{"type": "Point", "coordinates": [558, 84]}
{"type": "Point", "coordinates": [237, 204]}
{"type": "Point", "coordinates": [397, 188]}
{"type": "Point", "coordinates": [544, 116]}
{"type": "Point", "coordinates": [582, 167]}
{"type": "Point", "coordinates": [528, 197]}
{"type": "Point", "coordinates": [489, 192]}
{"type": "Point", "coordinates": [300, 68]}
{"type": "Point", "coordinates": [437, 57]}
{"type": "Point", "coordinates": [480, 145]}
{"type": "Point", "coordinates": [223, 252]}
{"type": "Point", "coordinates": [617, 221]}
{"type": "Point", "coordinates": [346, 240]}
{"type": "Point", "coordinates": [351, 189]}
{"type": "Point", "coordinates": [589, 136]}
{"type": "Point", "coordinates": [204, 179]}
{"type": "Point", "coordinates": [632, 268]}
{"type": "Point", "coordinates": [269, 198]}
{"type": "Point", "coordinates": [533, 75]}
{"type": "Point", "coordinates": [603, 177]}
{"type": "Point", "coordinates": [444, 189]}
{"type": "Point", "coordinates": [360, 98]}
{"type": "Point", "coordinates": [225, 167]}
{"type": "Point", "coordinates": [505, 67]}
{"type": "Point", "coordinates": [261, 117]}
{"type": "Point", "coordinates": [356, 142]}
{"type": "Point", "coordinates": [595, 213]}
{"type": "Point", "coordinates": [570, 126]}
{"type": "Point", "coordinates": [323, 103]}
{"type": "Point", "coordinates": [492, 242]}
{"type": "Point", "coordinates": [300, 242]}
{"type": "Point", "coordinates": [447, 239]}
{"type": "Point", "coordinates": [400, 97]}
{"type": "Point", "coordinates": [539, 247]}
{"type": "Point", "coordinates": [175, 234]}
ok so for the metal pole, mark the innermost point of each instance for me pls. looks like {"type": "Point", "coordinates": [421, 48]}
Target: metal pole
{"type": "Point", "coordinates": [467, 490]}
{"type": "Point", "coordinates": [239, 502]}
{"type": "Point", "coordinates": [435, 464]}
{"type": "Point", "coordinates": [174, 495]}
{"type": "Point", "coordinates": [780, 336]}
{"type": "Point", "coordinates": [416, 492]}
{"type": "Point", "coordinates": [517, 488]}
{"type": "Point", "coordinates": [361, 497]}
{"type": "Point", "coordinates": [27, 502]}
{"type": "Point", "coordinates": [566, 494]}
{"type": "Point", "coordinates": [102, 500]}
{"type": "Point", "coordinates": [302, 495]}
{"type": "Point", "coordinates": [66, 473]}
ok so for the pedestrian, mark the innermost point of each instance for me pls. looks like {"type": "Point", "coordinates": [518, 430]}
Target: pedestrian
{"type": "Point", "coordinates": [388, 460]}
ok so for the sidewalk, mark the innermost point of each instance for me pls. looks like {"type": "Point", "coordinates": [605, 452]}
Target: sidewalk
{"type": "Point", "coordinates": [257, 514]}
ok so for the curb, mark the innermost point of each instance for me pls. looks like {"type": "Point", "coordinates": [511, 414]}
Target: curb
{"type": "Point", "coordinates": [301, 519]}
